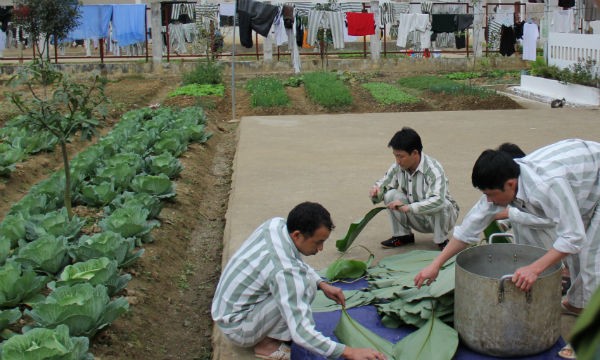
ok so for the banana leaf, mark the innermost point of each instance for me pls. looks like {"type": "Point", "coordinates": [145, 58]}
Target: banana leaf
{"type": "Point", "coordinates": [354, 298]}
{"type": "Point", "coordinates": [353, 334]}
{"type": "Point", "coordinates": [433, 341]}
{"type": "Point", "coordinates": [586, 332]}
{"type": "Point", "coordinates": [355, 229]}
{"type": "Point", "coordinates": [349, 269]}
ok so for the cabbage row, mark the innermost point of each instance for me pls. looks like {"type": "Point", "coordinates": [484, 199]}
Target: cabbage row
{"type": "Point", "coordinates": [68, 282]}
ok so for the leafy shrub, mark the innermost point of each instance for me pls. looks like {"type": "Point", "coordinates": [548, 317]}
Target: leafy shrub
{"type": "Point", "coordinates": [389, 94]}
{"type": "Point", "coordinates": [199, 90]}
{"type": "Point", "coordinates": [327, 90]}
{"type": "Point", "coordinates": [454, 89]}
{"type": "Point", "coordinates": [206, 72]}
{"type": "Point", "coordinates": [294, 81]}
{"type": "Point", "coordinates": [267, 92]}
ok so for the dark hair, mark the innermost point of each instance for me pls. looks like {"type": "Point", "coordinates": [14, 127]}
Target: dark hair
{"type": "Point", "coordinates": [492, 169]}
{"type": "Point", "coordinates": [307, 217]}
{"type": "Point", "coordinates": [407, 140]}
{"type": "Point", "coordinates": [512, 149]}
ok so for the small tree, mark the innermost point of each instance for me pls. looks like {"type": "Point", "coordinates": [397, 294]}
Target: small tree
{"type": "Point", "coordinates": [53, 102]}
{"type": "Point", "coordinates": [42, 19]}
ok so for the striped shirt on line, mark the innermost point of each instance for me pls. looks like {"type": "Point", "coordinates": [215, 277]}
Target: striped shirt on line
{"type": "Point", "coordinates": [269, 264]}
{"type": "Point", "coordinates": [426, 188]}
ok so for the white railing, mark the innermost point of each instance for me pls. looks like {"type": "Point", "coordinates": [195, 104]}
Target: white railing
{"type": "Point", "coordinates": [565, 49]}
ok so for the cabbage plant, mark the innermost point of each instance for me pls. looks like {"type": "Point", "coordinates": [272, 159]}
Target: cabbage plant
{"type": "Point", "coordinates": [13, 228]}
{"type": "Point", "coordinates": [106, 244]}
{"type": "Point", "coordinates": [48, 253]}
{"type": "Point", "coordinates": [170, 144]}
{"type": "Point", "coordinates": [120, 175]}
{"type": "Point", "coordinates": [84, 308]}
{"type": "Point", "coordinates": [164, 163]}
{"type": "Point", "coordinates": [130, 222]}
{"type": "Point", "coordinates": [55, 344]}
{"type": "Point", "coordinates": [157, 185]}
{"type": "Point", "coordinates": [131, 199]}
{"type": "Point", "coordinates": [19, 285]}
{"type": "Point", "coordinates": [8, 317]}
{"type": "Point", "coordinates": [32, 204]}
{"type": "Point", "coordinates": [100, 271]}
{"type": "Point", "coordinates": [97, 195]}
{"type": "Point", "coordinates": [55, 223]}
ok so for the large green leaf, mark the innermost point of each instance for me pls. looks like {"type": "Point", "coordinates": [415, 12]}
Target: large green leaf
{"type": "Point", "coordinates": [355, 229]}
{"type": "Point", "coordinates": [353, 334]}
{"type": "Point", "coordinates": [433, 341]}
{"type": "Point", "coordinates": [586, 332]}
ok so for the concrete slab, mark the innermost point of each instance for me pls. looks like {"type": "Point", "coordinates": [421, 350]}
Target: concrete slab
{"type": "Point", "coordinates": [334, 159]}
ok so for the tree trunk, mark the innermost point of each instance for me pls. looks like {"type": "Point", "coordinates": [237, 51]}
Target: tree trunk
{"type": "Point", "coordinates": [67, 197]}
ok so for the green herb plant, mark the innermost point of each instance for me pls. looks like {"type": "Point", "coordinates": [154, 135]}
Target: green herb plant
{"type": "Point", "coordinates": [267, 92]}
{"type": "Point", "coordinates": [388, 94]}
{"type": "Point", "coordinates": [327, 90]}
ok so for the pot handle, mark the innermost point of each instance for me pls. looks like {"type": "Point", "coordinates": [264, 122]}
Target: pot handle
{"type": "Point", "coordinates": [504, 234]}
{"type": "Point", "coordinates": [501, 290]}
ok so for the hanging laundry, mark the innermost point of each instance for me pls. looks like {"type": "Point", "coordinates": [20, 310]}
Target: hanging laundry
{"type": "Point", "coordinates": [254, 15]}
{"type": "Point", "coordinates": [288, 16]}
{"type": "Point", "coordinates": [563, 21]}
{"type": "Point", "coordinates": [332, 20]}
{"type": "Point", "coordinates": [442, 23]}
{"type": "Point", "coordinates": [93, 23]}
{"type": "Point", "coordinates": [591, 12]}
{"type": "Point", "coordinates": [519, 29]}
{"type": "Point", "coordinates": [360, 24]}
{"type": "Point", "coordinates": [565, 4]}
{"type": "Point", "coordinates": [530, 35]}
{"type": "Point", "coordinates": [507, 41]}
{"type": "Point", "coordinates": [299, 31]}
{"type": "Point", "coordinates": [463, 21]}
{"type": "Point", "coordinates": [129, 24]}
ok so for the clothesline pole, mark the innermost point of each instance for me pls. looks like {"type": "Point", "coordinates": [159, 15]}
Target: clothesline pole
{"type": "Point", "coordinates": [233, 64]}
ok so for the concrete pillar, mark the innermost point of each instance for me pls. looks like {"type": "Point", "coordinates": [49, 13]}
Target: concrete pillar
{"type": "Point", "coordinates": [375, 40]}
{"type": "Point", "coordinates": [478, 34]}
{"type": "Point", "coordinates": [156, 24]}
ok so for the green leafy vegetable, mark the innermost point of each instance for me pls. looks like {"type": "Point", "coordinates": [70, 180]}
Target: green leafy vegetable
{"type": "Point", "coordinates": [100, 271]}
{"type": "Point", "coordinates": [19, 285]}
{"type": "Point", "coordinates": [106, 244]}
{"type": "Point", "coordinates": [84, 308]}
{"type": "Point", "coordinates": [355, 229]}
{"type": "Point", "coordinates": [586, 331]}
{"type": "Point", "coordinates": [55, 344]}
{"type": "Point", "coordinates": [164, 163]}
{"type": "Point", "coordinates": [157, 185]}
{"type": "Point", "coordinates": [129, 222]}
{"type": "Point", "coordinates": [353, 334]}
{"type": "Point", "coordinates": [48, 253]}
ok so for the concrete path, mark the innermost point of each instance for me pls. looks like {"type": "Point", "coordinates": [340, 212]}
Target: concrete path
{"type": "Point", "coordinates": [334, 159]}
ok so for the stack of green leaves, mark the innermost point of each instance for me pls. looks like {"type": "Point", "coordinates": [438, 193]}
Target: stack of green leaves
{"type": "Point", "coordinates": [392, 280]}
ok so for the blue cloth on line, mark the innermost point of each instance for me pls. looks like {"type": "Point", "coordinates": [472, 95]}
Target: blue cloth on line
{"type": "Point", "coordinates": [93, 22]}
{"type": "Point", "coordinates": [367, 316]}
{"type": "Point", "coordinates": [129, 24]}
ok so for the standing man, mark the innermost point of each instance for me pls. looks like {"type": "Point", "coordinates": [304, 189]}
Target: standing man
{"type": "Point", "coordinates": [415, 190]}
{"type": "Point", "coordinates": [559, 183]}
{"type": "Point", "coordinates": [263, 299]}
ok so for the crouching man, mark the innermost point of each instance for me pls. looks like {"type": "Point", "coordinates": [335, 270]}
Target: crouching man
{"type": "Point", "coordinates": [264, 295]}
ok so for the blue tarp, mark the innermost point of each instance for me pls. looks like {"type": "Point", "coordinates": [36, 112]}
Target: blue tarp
{"type": "Point", "coordinates": [368, 317]}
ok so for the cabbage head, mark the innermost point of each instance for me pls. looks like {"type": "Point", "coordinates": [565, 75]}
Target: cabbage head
{"type": "Point", "coordinates": [157, 185]}
{"type": "Point", "coordinates": [8, 317]}
{"type": "Point", "coordinates": [171, 144]}
{"type": "Point", "coordinates": [97, 195]}
{"type": "Point", "coordinates": [9, 156]}
{"type": "Point", "coordinates": [13, 228]}
{"type": "Point", "coordinates": [100, 271]}
{"type": "Point", "coordinates": [55, 223]}
{"type": "Point", "coordinates": [32, 204]}
{"type": "Point", "coordinates": [131, 199]}
{"type": "Point", "coordinates": [129, 222]}
{"type": "Point", "coordinates": [48, 253]}
{"type": "Point", "coordinates": [106, 244]}
{"type": "Point", "coordinates": [133, 161]}
{"type": "Point", "coordinates": [84, 308]}
{"type": "Point", "coordinates": [120, 175]}
{"type": "Point", "coordinates": [164, 163]}
{"type": "Point", "coordinates": [4, 249]}
{"type": "Point", "coordinates": [19, 285]}
{"type": "Point", "coordinates": [55, 344]}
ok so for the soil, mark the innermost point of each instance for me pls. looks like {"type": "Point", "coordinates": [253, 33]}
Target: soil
{"type": "Point", "coordinates": [172, 285]}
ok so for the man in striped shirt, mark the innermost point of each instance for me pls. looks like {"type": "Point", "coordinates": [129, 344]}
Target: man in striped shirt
{"type": "Point", "coordinates": [415, 190]}
{"type": "Point", "coordinates": [560, 183]}
{"type": "Point", "coordinates": [265, 292]}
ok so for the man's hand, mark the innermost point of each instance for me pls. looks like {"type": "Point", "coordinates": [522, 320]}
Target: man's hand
{"type": "Point", "coordinates": [398, 205]}
{"type": "Point", "coordinates": [524, 277]}
{"type": "Point", "coordinates": [362, 354]}
{"type": "Point", "coordinates": [334, 293]}
{"type": "Point", "coordinates": [374, 191]}
{"type": "Point", "coordinates": [427, 275]}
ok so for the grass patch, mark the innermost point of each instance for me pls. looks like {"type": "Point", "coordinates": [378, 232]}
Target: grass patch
{"type": "Point", "coordinates": [388, 94]}
{"type": "Point", "coordinates": [425, 82]}
{"type": "Point", "coordinates": [199, 90]}
{"type": "Point", "coordinates": [463, 75]}
{"type": "Point", "coordinates": [327, 90]}
{"type": "Point", "coordinates": [267, 92]}
{"type": "Point", "coordinates": [463, 90]}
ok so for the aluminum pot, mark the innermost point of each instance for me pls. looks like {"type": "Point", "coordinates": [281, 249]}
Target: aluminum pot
{"type": "Point", "coordinates": [491, 315]}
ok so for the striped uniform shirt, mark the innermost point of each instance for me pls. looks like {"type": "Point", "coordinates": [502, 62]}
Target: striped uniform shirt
{"type": "Point", "coordinates": [426, 189]}
{"type": "Point", "coordinates": [559, 182]}
{"type": "Point", "coordinates": [269, 264]}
